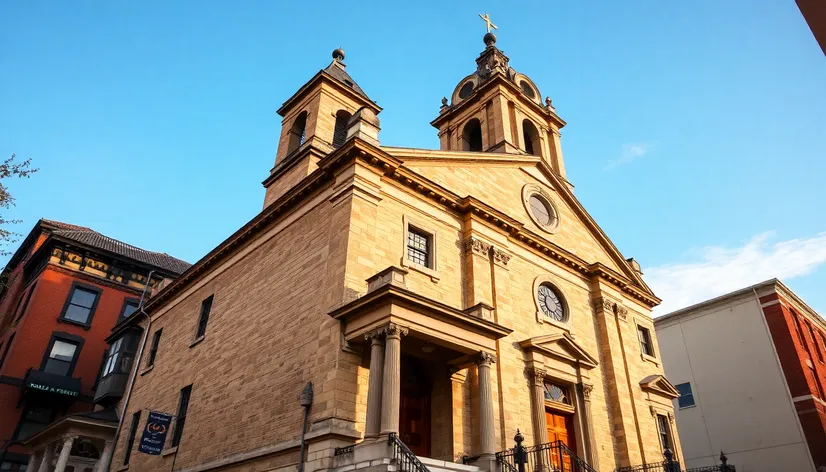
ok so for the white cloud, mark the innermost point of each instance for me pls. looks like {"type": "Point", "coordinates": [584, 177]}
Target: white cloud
{"type": "Point", "coordinates": [630, 152]}
{"type": "Point", "coordinates": [718, 270]}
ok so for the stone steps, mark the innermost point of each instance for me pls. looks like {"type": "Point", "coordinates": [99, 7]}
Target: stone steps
{"type": "Point", "coordinates": [443, 466]}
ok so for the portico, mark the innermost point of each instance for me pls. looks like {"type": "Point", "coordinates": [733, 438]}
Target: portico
{"type": "Point", "coordinates": [393, 322]}
{"type": "Point", "coordinates": [81, 443]}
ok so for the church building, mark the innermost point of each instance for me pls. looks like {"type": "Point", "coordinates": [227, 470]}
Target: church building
{"type": "Point", "coordinates": [408, 308]}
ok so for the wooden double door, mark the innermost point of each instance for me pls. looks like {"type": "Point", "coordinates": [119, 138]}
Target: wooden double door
{"type": "Point", "coordinates": [561, 428]}
{"type": "Point", "coordinates": [414, 413]}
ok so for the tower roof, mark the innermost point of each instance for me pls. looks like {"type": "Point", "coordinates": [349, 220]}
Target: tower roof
{"type": "Point", "coordinates": [336, 73]}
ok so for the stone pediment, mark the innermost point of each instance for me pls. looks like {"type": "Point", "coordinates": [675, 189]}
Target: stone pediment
{"type": "Point", "coordinates": [660, 385]}
{"type": "Point", "coordinates": [560, 346]}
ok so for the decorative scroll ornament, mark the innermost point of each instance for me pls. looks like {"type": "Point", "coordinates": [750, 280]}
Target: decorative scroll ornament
{"type": "Point", "coordinates": [477, 246]}
{"type": "Point", "coordinates": [606, 305]}
{"type": "Point", "coordinates": [501, 257]}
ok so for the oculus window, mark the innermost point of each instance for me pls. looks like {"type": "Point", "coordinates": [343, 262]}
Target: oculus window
{"type": "Point", "coordinates": [550, 303]}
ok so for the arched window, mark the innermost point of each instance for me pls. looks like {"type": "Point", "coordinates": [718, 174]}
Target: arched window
{"type": "Point", "coordinates": [472, 136]}
{"type": "Point", "coordinates": [531, 137]}
{"type": "Point", "coordinates": [298, 132]}
{"type": "Point", "coordinates": [340, 131]}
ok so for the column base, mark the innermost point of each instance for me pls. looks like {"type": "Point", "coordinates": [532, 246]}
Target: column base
{"type": "Point", "coordinates": [486, 462]}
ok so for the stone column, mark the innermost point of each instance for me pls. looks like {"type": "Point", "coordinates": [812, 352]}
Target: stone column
{"type": "Point", "coordinates": [540, 427]}
{"type": "Point", "coordinates": [105, 456]}
{"type": "Point", "coordinates": [372, 426]}
{"type": "Point", "coordinates": [391, 387]}
{"type": "Point", "coordinates": [63, 459]}
{"type": "Point", "coordinates": [46, 461]}
{"type": "Point", "coordinates": [591, 456]}
{"type": "Point", "coordinates": [487, 427]}
{"type": "Point", "coordinates": [34, 460]}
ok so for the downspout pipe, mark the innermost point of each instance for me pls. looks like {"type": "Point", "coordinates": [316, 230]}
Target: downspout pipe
{"type": "Point", "coordinates": [135, 367]}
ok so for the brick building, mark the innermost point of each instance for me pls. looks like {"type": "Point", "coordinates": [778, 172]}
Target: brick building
{"type": "Point", "coordinates": [751, 369]}
{"type": "Point", "coordinates": [64, 290]}
{"type": "Point", "coordinates": [444, 298]}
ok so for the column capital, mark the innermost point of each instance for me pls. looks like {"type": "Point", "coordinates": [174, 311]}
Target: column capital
{"type": "Point", "coordinates": [477, 246]}
{"type": "Point", "coordinates": [537, 375]}
{"type": "Point", "coordinates": [375, 335]}
{"type": "Point", "coordinates": [485, 359]}
{"type": "Point", "coordinates": [586, 390]}
{"type": "Point", "coordinates": [604, 305]}
{"type": "Point", "coordinates": [393, 329]}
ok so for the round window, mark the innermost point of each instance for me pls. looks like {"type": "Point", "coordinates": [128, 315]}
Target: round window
{"type": "Point", "coordinates": [466, 90]}
{"type": "Point", "coordinates": [550, 303]}
{"type": "Point", "coordinates": [542, 211]}
{"type": "Point", "coordinates": [526, 87]}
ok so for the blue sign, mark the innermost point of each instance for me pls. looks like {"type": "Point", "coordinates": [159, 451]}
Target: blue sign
{"type": "Point", "coordinates": [154, 433]}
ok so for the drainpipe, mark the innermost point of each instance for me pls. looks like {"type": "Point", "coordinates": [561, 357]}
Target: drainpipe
{"type": "Point", "coordinates": [306, 401]}
{"type": "Point", "coordinates": [135, 367]}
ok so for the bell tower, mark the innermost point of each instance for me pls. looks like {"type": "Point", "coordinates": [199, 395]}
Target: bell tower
{"type": "Point", "coordinates": [315, 123]}
{"type": "Point", "coordinates": [496, 109]}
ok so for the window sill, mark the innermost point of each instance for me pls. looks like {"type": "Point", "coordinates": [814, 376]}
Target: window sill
{"type": "Point", "coordinates": [197, 341]}
{"type": "Point", "coordinates": [687, 407]}
{"type": "Point", "coordinates": [85, 326]}
{"type": "Point", "coordinates": [147, 370]}
{"type": "Point", "coordinates": [122, 468]}
{"type": "Point", "coordinates": [650, 359]}
{"type": "Point", "coordinates": [168, 451]}
{"type": "Point", "coordinates": [432, 273]}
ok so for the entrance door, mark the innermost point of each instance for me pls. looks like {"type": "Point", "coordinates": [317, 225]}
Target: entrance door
{"type": "Point", "coordinates": [414, 414]}
{"type": "Point", "coordinates": [561, 428]}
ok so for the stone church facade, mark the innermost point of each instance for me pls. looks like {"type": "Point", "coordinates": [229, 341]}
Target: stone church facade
{"type": "Point", "coordinates": [445, 297]}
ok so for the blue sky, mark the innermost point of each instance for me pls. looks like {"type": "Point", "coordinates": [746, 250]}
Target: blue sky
{"type": "Point", "coordinates": [695, 130]}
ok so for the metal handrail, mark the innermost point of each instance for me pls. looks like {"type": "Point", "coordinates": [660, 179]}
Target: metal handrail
{"type": "Point", "coordinates": [550, 457]}
{"type": "Point", "coordinates": [406, 461]}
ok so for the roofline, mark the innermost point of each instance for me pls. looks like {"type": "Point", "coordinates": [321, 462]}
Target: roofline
{"type": "Point", "coordinates": [18, 254]}
{"type": "Point", "coordinates": [145, 265]}
{"type": "Point", "coordinates": [320, 76]}
{"type": "Point", "coordinates": [778, 285]}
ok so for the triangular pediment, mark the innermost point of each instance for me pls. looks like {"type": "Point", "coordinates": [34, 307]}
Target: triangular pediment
{"type": "Point", "coordinates": [658, 384]}
{"type": "Point", "coordinates": [461, 173]}
{"type": "Point", "coordinates": [561, 346]}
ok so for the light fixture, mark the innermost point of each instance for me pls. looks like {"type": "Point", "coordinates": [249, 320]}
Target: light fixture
{"type": "Point", "coordinates": [427, 348]}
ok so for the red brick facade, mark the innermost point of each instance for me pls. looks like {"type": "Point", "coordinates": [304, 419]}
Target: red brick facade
{"type": "Point", "coordinates": [40, 280]}
{"type": "Point", "coordinates": [800, 341]}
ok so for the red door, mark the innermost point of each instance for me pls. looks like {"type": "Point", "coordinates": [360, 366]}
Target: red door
{"type": "Point", "coordinates": [414, 413]}
{"type": "Point", "coordinates": [561, 428]}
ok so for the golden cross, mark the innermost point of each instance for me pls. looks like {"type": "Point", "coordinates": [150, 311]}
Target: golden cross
{"type": "Point", "coordinates": [488, 24]}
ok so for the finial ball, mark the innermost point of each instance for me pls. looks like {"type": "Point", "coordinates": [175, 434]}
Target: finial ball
{"type": "Point", "coordinates": [338, 54]}
{"type": "Point", "coordinates": [490, 39]}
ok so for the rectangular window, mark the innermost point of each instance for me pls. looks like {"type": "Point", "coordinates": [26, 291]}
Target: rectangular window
{"type": "Point", "coordinates": [817, 383]}
{"type": "Point", "coordinates": [112, 357]}
{"type": "Point", "coordinates": [798, 329]}
{"type": "Point", "coordinates": [665, 432]}
{"type": "Point", "coordinates": [419, 247]}
{"type": "Point", "coordinates": [6, 351]}
{"type": "Point", "coordinates": [130, 441]}
{"type": "Point", "coordinates": [206, 306]}
{"type": "Point", "coordinates": [32, 421]}
{"type": "Point", "coordinates": [686, 395]}
{"type": "Point", "coordinates": [645, 341]}
{"type": "Point", "coordinates": [818, 349]}
{"type": "Point", "coordinates": [156, 339]}
{"type": "Point", "coordinates": [80, 305]}
{"type": "Point", "coordinates": [61, 358]}
{"type": "Point", "coordinates": [129, 307]}
{"type": "Point", "coordinates": [25, 303]}
{"type": "Point", "coordinates": [183, 406]}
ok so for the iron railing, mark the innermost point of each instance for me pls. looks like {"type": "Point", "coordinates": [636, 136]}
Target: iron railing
{"type": "Point", "coordinates": [664, 466]}
{"type": "Point", "coordinates": [713, 468]}
{"type": "Point", "coordinates": [549, 457]}
{"type": "Point", "coordinates": [406, 461]}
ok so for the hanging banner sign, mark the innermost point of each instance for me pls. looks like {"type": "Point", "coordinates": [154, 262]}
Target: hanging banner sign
{"type": "Point", "coordinates": [154, 433]}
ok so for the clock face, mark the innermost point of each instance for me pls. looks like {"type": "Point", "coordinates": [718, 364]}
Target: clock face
{"type": "Point", "coordinates": [549, 303]}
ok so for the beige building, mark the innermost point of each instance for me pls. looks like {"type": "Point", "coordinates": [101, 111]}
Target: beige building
{"type": "Point", "coordinates": [440, 299]}
{"type": "Point", "coordinates": [750, 369]}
